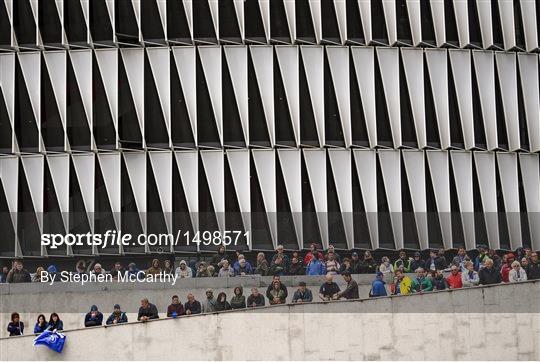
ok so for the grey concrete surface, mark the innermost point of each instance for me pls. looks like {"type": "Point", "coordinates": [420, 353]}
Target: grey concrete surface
{"type": "Point", "coordinates": [499, 322]}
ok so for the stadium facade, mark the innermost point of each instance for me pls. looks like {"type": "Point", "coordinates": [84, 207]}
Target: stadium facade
{"type": "Point", "coordinates": [362, 124]}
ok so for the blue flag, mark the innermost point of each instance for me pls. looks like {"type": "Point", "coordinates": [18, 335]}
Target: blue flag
{"type": "Point", "coordinates": [53, 340]}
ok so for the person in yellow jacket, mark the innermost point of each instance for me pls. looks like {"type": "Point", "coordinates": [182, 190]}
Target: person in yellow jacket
{"type": "Point", "coordinates": [403, 283]}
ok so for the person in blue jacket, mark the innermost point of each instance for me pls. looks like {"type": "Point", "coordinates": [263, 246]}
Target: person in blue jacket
{"type": "Point", "coordinates": [15, 327]}
{"type": "Point", "coordinates": [93, 318]}
{"type": "Point", "coordinates": [315, 266]}
{"type": "Point", "coordinates": [377, 286]}
{"type": "Point", "coordinates": [41, 324]}
{"type": "Point", "coordinates": [55, 323]}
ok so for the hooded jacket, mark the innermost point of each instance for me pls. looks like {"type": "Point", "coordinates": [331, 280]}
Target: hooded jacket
{"type": "Point", "coordinates": [404, 286]}
{"type": "Point", "coordinates": [239, 269]}
{"type": "Point", "coordinates": [258, 300]}
{"type": "Point", "coordinates": [120, 318]}
{"type": "Point", "coordinates": [222, 305]}
{"type": "Point", "coordinates": [489, 276]}
{"type": "Point", "coordinates": [154, 269]}
{"type": "Point", "coordinates": [239, 300]}
{"type": "Point", "coordinates": [316, 267]}
{"type": "Point", "coordinates": [422, 285]}
{"type": "Point", "coordinates": [377, 288]}
{"type": "Point", "coordinates": [186, 273]}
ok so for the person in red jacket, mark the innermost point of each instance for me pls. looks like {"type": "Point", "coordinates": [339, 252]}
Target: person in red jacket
{"type": "Point", "coordinates": [507, 266]}
{"type": "Point", "coordinates": [309, 255]}
{"type": "Point", "coordinates": [454, 279]}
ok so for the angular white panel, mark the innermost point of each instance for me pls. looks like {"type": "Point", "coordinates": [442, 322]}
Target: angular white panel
{"type": "Point", "coordinates": [291, 165]}
{"type": "Point", "coordinates": [389, 8]}
{"type": "Point", "coordinates": [530, 32]}
{"type": "Point", "coordinates": [463, 179]}
{"type": "Point", "coordinates": [214, 168]}
{"type": "Point", "coordinates": [185, 66]}
{"type": "Point", "coordinates": [436, 60]}
{"type": "Point", "coordinates": [265, 15]}
{"type": "Point", "coordinates": [240, 170]}
{"type": "Point", "coordinates": [134, 64]}
{"type": "Point", "coordinates": [188, 167]}
{"type": "Point", "coordinates": [462, 22]}
{"type": "Point", "coordinates": [262, 57]}
{"type": "Point", "coordinates": [506, 70]}
{"type": "Point", "coordinates": [136, 169]}
{"type": "Point", "coordinates": [340, 161]}
{"type": "Point", "coordinates": [313, 60]}
{"type": "Point", "coordinates": [211, 64]}
{"type": "Point", "coordinates": [265, 166]}
{"type": "Point", "coordinates": [484, 67]}
{"type": "Point", "coordinates": [338, 60]}
{"type": "Point", "coordinates": [413, 64]}
{"type": "Point", "coordinates": [82, 66]}
{"type": "Point", "coordinates": [214, 13]}
{"type": "Point", "coordinates": [31, 70]}
{"type": "Point", "coordinates": [530, 174]}
{"type": "Point", "coordinates": [59, 168]}
{"type": "Point", "coordinates": [287, 57]}
{"type": "Point", "coordinates": [290, 13]}
{"type": "Point", "coordinates": [440, 177]}
{"type": "Point", "coordinates": [85, 171]}
{"type": "Point", "coordinates": [188, 8]}
{"type": "Point", "coordinates": [413, 12]}
{"type": "Point", "coordinates": [236, 57]}
{"type": "Point", "coordinates": [159, 59]}
{"type": "Point", "coordinates": [162, 8]}
{"type": "Point", "coordinates": [484, 18]}
{"type": "Point", "coordinates": [416, 177]}
{"type": "Point", "coordinates": [315, 7]}
{"type": "Point", "coordinates": [110, 164]}
{"type": "Point", "coordinates": [528, 72]}
{"type": "Point", "coordinates": [508, 173]}
{"type": "Point", "coordinates": [506, 12]}
{"type": "Point", "coordinates": [437, 13]}
{"type": "Point", "coordinates": [366, 167]}
{"type": "Point", "coordinates": [341, 15]}
{"type": "Point", "coordinates": [7, 82]}
{"type": "Point", "coordinates": [364, 65]}
{"type": "Point", "coordinates": [56, 63]}
{"type": "Point", "coordinates": [239, 8]}
{"type": "Point", "coordinates": [388, 59]}
{"type": "Point", "coordinates": [137, 11]}
{"type": "Point", "coordinates": [460, 60]}
{"type": "Point", "coordinates": [9, 176]}
{"type": "Point", "coordinates": [364, 6]}
{"type": "Point", "coordinates": [316, 169]}
{"type": "Point", "coordinates": [107, 60]}
{"type": "Point", "coordinates": [34, 169]}
{"type": "Point", "coordinates": [485, 172]}
{"type": "Point", "coordinates": [391, 172]}
{"type": "Point", "coordinates": [162, 168]}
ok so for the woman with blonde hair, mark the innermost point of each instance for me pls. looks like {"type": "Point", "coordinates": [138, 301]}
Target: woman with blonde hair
{"type": "Point", "coordinates": [387, 269]}
{"type": "Point", "coordinates": [517, 274]}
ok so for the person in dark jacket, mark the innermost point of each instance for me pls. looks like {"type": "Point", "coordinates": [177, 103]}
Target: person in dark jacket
{"type": "Point", "coordinates": [328, 289]}
{"type": "Point", "coordinates": [377, 286]}
{"type": "Point", "coordinates": [417, 261]}
{"type": "Point", "coordinates": [351, 292]}
{"type": "Point", "coordinates": [280, 254]}
{"type": "Point", "coordinates": [255, 299]}
{"type": "Point", "coordinates": [302, 294]}
{"type": "Point", "coordinates": [533, 268]}
{"type": "Point", "coordinates": [55, 323]}
{"type": "Point", "coordinates": [18, 274]}
{"type": "Point", "coordinates": [41, 324]}
{"type": "Point", "coordinates": [221, 302]}
{"type": "Point", "coordinates": [147, 311]}
{"type": "Point", "coordinates": [117, 316]}
{"type": "Point", "coordinates": [277, 268]}
{"type": "Point", "coordinates": [356, 264]}
{"type": "Point", "coordinates": [217, 258]}
{"type": "Point", "coordinates": [369, 264]}
{"type": "Point", "coordinates": [345, 266]}
{"type": "Point", "coordinates": [3, 274]}
{"type": "Point", "coordinates": [435, 261]}
{"type": "Point", "coordinates": [175, 309]}
{"type": "Point", "coordinates": [282, 287]}
{"type": "Point", "coordinates": [488, 274]}
{"type": "Point", "coordinates": [15, 327]}
{"type": "Point", "coordinates": [192, 306]}
{"type": "Point", "coordinates": [479, 260]}
{"type": "Point", "coordinates": [93, 318]}
{"type": "Point", "coordinates": [438, 281]}
{"type": "Point", "coordinates": [296, 267]}
{"type": "Point", "coordinates": [239, 300]}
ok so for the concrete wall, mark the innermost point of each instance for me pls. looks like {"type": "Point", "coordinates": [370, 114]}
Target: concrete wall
{"type": "Point", "coordinates": [486, 323]}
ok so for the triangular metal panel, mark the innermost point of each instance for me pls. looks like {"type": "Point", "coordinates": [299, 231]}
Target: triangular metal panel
{"type": "Point", "coordinates": [391, 172]}
{"type": "Point", "coordinates": [211, 63]}
{"type": "Point", "coordinates": [438, 75]}
{"type": "Point", "coordinates": [34, 169]}
{"type": "Point", "coordinates": [364, 65]}
{"type": "Point", "coordinates": [162, 8]}
{"type": "Point", "coordinates": [291, 165]}
{"type": "Point", "coordinates": [9, 176]}
{"type": "Point", "coordinates": [159, 59]}
{"type": "Point", "coordinates": [265, 166]}
{"type": "Point", "coordinates": [262, 57]}
{"type": "Point", "coordinates": [508, 172]}
{"type": "Point", "coordinates": [107, 60]}
{"type": "Point", "coordinates": [287, 57]}
{"type": "Point", "coordinates": [341, 15]}
{"type": "Point", "coordinates": [462, 22]}
{"type": "Point", "coordinates": [236, 57]}
{"type": "Point", "coordinates": [188, 8]}
{"type": "Point", "coordinates": [437, 13]}
{"type": "Point", "coordinates": [484, 65]}
{"type": "Point", "coordinates": [136, 169]}
{"type": "Point", "coordinates": [85, 171]}
{"type": "Point", "coordinates": [188, 167]}
{"type": "Point", "coordinates": [365, 14]}
{"type": "Point", "coordinates": [56, 66]}
{"type": "Point", "coordinates": [388, 59]}
{"type": "Point", "coordinates": [340, 161]}
{"type": "Point", "coordinates": [530, 26]}
{"type": "Point", "coordinates": [137, 11]}
{"type": "Point", "coordinates": [264, 5]}
{"type": "Point", "coordinates": [316, 169]}
{"type": "Point", "coordinates": [528, 71]}
{"type": "Point", "coordinates": [506, 70]}
{"type": "Point", "coordinates": [185, 65]}
{"type": "Point", "coordinates": [338, 59]}
{"type": "Point", "coordinates": [485, 172]}
{"type": "Point", "coordinates": [214, 168]}
{"type": "Point", "coordinates": [315, 9]}
{"type": "Point", "coordinates": [161, 162]}
{"type": "Point", "coordinates": [239, 8]}
{"type": "Point", "coordinates": [82, 66]}
{"type": "Point", "coordinates": [59, 168]}
{"type": "Point", "coordinates": [214, 13]}
{"type": "Point", "coordinates": [240, 170]}
{"type": "Point", "coordinates": [530, 174]}
{"type": "Point", "coordinates": [506, 12]}
{"type": "Point", "coordinates": [413, 64]}
{"type": "Point", "coordinates": [463, 179]}
{"type": "Point", "coordinates": [31, 69]}
{"type": "Point", "coordinates": [110, 164]}
{"type": "Point", "coordinates": [440, 178]}
{"type": "Point", "coordinates": [413, 12]}
{"type": "Point", "coordinates": [7, 82]}
{"type": "Point", "coordinates": [416, 171]}
{"type": "Point", "coordinates": [389, 8]}
{"type": "Point", "coordinates": [484, 18]}
{"type": "Point", "coordinates": [312, 57]}
{"type": "Point", "coordinates": [134, 65]}
{"type": "Point", "coordinates": [290, 13]}
{"type": "Point", "coordinates": [366, 168]}
{"type": "Point", "coordinates": [460, 61]}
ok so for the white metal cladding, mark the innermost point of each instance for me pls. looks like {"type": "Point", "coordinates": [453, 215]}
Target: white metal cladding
{"type": "Point", "coordinates": [279, 142]}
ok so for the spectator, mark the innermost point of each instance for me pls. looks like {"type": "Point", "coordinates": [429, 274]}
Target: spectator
{"type": "Point", "coordinates": [262, 265]}
{"type": "Point", "coordinates": [221, 303]}
{"type": "Point", "coordinates": [312, 251]}
{"type": "Point", "coordinates": [346, 266]}
{"type": "Point", "coordinates": [517, 274]}
{"type": "Point", "coordinates": [417, 261]}
{"type": "Point", "coordinates": [403, 262]}
{"type": "Point", "coordinates": [421, 283]}
{"type": "Point", "coordinates": [242, 266]}
{"type": "Point", "coordinates": [528, 252]}
{"type": "Point", "coordinates": [38, 276]}
{"type": "Point", "coordinates": [356, 265]}
{"type": "Point", "coordinates": [276, 295]}
{"type": "Point", "coordinates": [183, 271]}
{"type": "Point", "coordinates": [211, 271]}
{"type": "Point", "coordinates": [533, 269]}
{"type": "Point", "coordinates": [302, 294]}
{"type": "Point", "coordinates": [217, 258]}
{"type": "Point", "coordinates": [296, 267]}
{"type": "Point", "coordinates": [93, 318]}
{"type": "Point", "coordinates": [155, 269]}
{"type": "Point", "coordinates": [3, 274]}
{"type": "Point", "coordinates": [479, 260]}
{"type": "Point", "coordinates": [41, 324]}
{"type": "Point", "coordinates": [332, 265]}
{"type": "Point", "coordinates": [403, 283]}
{"type": "Point", "coordinates": [435, 261]}
{"type": "Point", "coordinates": [98, 269]}
{"type": "Point", "coordinates": [175, 309]}
{"type": "Point", "coordinates": [387, 269]}
{"type": "Point", "coordinates": [255, 299]}
{"type": "Point", "coordinates": [147, 310]}
{"type": "Point", "coordinates": [117, 316]}
{"type": "Point", "coordinates": [437, 280]}
{"type": "Point", "coordinates": [117, 271]}
{"type": "Point", "coordinates": [460, 259]}
{"type": "Point", "coordinates": [497, 261]}
{"type": "Point", "coordinates": [470, 277]}
{"type": "Point", "coordinates": [296, 254]}
{"type": "Point", "coordinates": [202, 271]}
{"type": "Point", "coordinates": [328, 289]}
{"type": "Point", "coordinates": [369, 265]}
{"type": "Point", "coordinates": [524, 263]}
{"type": "Point", "coordinates": [133, 270]}
{"type": "Point", "coordinates": [519, 254]}
{"type": "Point", "coordinates": [52, 270]}
{"type": "Point", "coordinates": [351, 291]}
{"type": "Point", "coordinates": [315, 266]}
{"type": "Point", "coordinates": [18, 274]}
{"type": "Point", "coordinates": [337, 257]}
{"type": "Point", "coordinates": [280, 254]}
{"type": "Point", "coordinates": [209, 305]}
{"type": "Point", "coordinates": [454, 280]}
{"type": "Point", "coordinates": [507, 266]}
{"type": "Point", "coordinates": [226, 270]}
{"type": "Point", "coordinates": [15, 327]}
{"type": "Point", "coordinates": [239, 300]}
{"type": "Point", "coordinates": [168, 267]}
{"type": "Point", "coordinates": [488, 274]}
{"type": "Point", "coordinates": [192, 264]}
{"type": "Point", "coordinates": [278, 267]}
{"type": "Point", "coordinates": [55, 323]}
{"type": "Point", "coordinates": [80, 267]}
{"type": "Point", "coordinates": [377, 286]}
{"type": "Point", "coordinates": [192, 306]}
{"type": "Point", "coordinates": [442, 260]}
